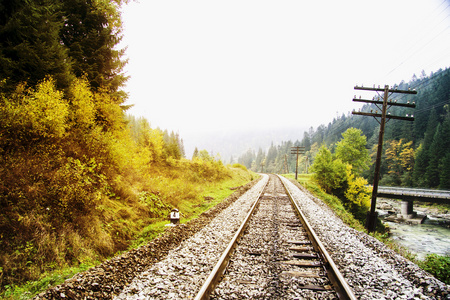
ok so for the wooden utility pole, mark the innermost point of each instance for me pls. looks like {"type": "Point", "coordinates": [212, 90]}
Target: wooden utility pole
{"type": "Point", "coordinates": [297, 151]}
{"type": "Point", "coordinates": [286, 169]}
{"type": "Point", "coordinates": [372, 216]}
{"type": "Point", "coordinates": [306, 164]}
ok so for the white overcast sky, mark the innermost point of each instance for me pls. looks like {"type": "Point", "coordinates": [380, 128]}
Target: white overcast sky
{"type": "Point", "coordinates": [202, 66]}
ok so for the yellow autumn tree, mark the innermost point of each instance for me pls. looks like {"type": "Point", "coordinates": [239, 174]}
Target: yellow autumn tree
{"type": "Point", "coordinates": [357, 191]}
{"type": "Point", "coordinates": [82, 112]}
{"type": "Point", "coordinates": [48, 110]}
{"type": "Point", "coordinates": [407, 156]}
{"type": "Point", "coordinates": [109, 113]}
{"type": "Point", "coordinates": [35, 112]}
{"type": "Point", "coordinates": [400, 161]}
{"type": "Point", "coordinates": [357, 195]}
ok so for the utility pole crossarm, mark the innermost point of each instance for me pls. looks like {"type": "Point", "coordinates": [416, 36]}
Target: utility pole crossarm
{"type": "Point", "coordinates": [406, 118]}
{"type": "Point", "coordinates": [390, 103]}
{"type": "Point", "coordinates": [383, 90]}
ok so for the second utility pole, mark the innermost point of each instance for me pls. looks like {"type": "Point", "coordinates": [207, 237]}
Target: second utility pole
{"type": "Point", "coordinates": [297, 150]}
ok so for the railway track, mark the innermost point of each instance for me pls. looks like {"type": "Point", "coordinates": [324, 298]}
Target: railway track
{"type": "Point", "coordinates": [373, 270]}
{"type": "Point", "coordinates": [275, 255]}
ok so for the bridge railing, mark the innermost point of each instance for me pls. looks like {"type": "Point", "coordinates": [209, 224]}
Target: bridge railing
{"type": "Point", "coordinates": [415, 192]}
{"type": "Point", "coordinates": [426, 195]}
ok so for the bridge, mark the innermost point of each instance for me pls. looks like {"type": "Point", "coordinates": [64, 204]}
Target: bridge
{"type": "Point", "coordinates": [408, 195]}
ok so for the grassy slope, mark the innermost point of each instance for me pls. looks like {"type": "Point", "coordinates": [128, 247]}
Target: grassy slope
{"type": "Point", "coordinates": [191, 209]}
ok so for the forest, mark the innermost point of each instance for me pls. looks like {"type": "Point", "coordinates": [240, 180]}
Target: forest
{"type": "Point", "coordinates": [80, 180]}
{"type": "Point", "coordinates": [415, 154]}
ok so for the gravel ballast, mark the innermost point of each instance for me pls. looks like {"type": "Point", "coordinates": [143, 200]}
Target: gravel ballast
{"type": "Point", "coordinates": [371, 269]}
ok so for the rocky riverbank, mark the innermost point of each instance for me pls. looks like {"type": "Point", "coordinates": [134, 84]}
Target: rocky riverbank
{"type": "Point", "coordinates": [390, 210]}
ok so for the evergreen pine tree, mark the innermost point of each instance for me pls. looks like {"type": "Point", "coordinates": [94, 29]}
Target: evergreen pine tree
{"type": "Point", "coordinates": [420, 166]}
{"type": "Point", "coordinates": [91, 31]}
{"type": "Point", "coordinates": [30, 47]}
{"type": "Point", "coordinates": [435, 152]}
{"type": "Point", "coordinates": [444, 162]}
{"type": "Point", "coordinates": [195, 154]}
{"type": "Point", "coordinates": [259, 160]}
{"type": "Point", "coordinates": [445, 172]}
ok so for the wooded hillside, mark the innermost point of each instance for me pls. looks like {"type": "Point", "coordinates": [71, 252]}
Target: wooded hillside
{"type": "Point", "coordinates": [415, 153]}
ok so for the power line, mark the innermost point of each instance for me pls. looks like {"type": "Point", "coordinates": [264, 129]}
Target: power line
{"type": "Point", "coordinates": [418, 84]}
{"type": "Point", "coordinates": [416, 43]}
{"type": "Point", "coordinates": [433, 106]}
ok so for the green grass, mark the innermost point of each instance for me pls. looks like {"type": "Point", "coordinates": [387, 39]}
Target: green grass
{"type": "Point", "coordinates": [30, 289]}
{"type": "Point", "coordinates": [301, 178]}
{"type": "Point", "coordinates": [149, 233]}
{"type": "Point", "coordinates": [192, 209]}
{"type": "Point", "coordinates": [216, 190]}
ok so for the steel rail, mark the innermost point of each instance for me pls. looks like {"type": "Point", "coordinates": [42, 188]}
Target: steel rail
{"type": "Point", "coordinates": [341, 286]}
{"type": "Point", "coordinates": [220, 266]}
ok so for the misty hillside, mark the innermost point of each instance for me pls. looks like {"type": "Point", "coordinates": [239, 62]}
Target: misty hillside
{"type": "Point", "coordinates": [231, 144]}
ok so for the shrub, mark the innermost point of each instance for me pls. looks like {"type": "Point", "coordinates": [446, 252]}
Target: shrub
{"type": "Point", "coordinates": [82, 112]}
{"type": "Point", "coordinates": [29, 114]}
{"type": "Point", "coordinates": [77, 187]}
{"type": "Point", "coordinates": [154, 203]}
{"type": "Point", "coordinates": [437, 265]}
{"type": "Point", "coordinates": [239, 166]}
{"type": "Point", "coordinates": [329, 173]}
{"type": "Point", "coordinates": [357, 195]}
{"type": "Point", "coordinates": [337, 178]}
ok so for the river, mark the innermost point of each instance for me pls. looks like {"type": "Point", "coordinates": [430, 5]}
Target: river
{"type": "Point", "coordinates": [432, 236]}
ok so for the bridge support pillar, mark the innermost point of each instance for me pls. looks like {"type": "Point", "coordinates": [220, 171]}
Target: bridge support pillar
{"type": "Point", "coordinates": [407, 209]}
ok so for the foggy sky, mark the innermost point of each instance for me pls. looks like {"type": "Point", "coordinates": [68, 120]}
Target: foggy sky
{"type": "Point", "coordinates": [198, 67]}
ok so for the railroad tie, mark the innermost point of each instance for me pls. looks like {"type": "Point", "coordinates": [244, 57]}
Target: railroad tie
{"type": "Point", "coordinates": [305, 255]}
{"type": "Point", "coordinates": [299, 242]}
{"type": "Point", "coordinates": [302, 263]}
{"type": "Point", "coordinates": [300, 248]}
{"type": "Point", "coordinates": [300, 274]}
{"type": "Point", "coordinates": [315, 287]}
